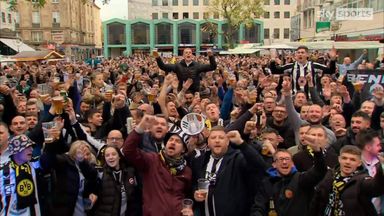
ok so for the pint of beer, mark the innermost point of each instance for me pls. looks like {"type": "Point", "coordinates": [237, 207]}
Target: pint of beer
{"type": "Point", "coordinates": [202, 187]}
{"type": "Point", "coordinates": [202, 193]}
{"type": "Point", "coordinates": [151, 97]}
{"type": "Point", "coordinates": [58, 104]}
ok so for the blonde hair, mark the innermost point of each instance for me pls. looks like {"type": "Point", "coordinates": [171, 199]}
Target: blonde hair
{"type": "Point", "coordinates": [75, 145]}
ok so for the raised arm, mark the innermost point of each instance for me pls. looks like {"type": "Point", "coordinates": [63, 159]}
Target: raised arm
{"type": "Point", "coordinates": [165, 67]}
{"type": "Point", "coordinates": [163, 94]}
{"type": "Point", "coordinates": [359, 60]}
{"type": "Point", "coordinates": [252, 159]}
{"type": "Point", "coordinates": [212, 63]}
{"type": "Point", "coordinates": [140, 159]}
{"type": "Point", "coordinates": [293, 117]}
{"type": "Point", "coordinates": [313, 176]}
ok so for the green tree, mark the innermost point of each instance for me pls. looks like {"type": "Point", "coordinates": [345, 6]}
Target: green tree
{"type": "Point", "coordinates": [236, 12]}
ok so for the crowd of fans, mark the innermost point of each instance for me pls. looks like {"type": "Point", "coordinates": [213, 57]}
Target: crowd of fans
{"type": "Point", "coordinates": [283, 134]}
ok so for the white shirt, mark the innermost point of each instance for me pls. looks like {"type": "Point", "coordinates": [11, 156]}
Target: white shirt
{"type": "Point", "coordinates": [210, 176]}
{"type": "Point", "coordinates": [371, 167]}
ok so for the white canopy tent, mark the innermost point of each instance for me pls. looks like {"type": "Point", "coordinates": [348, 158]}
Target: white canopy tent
{"type": "Point", "coordinates": [16, 45]}
{"type": "Point", "coordinates": [243, 49]}
{"type": "Point", "coordinates": [340, 45]}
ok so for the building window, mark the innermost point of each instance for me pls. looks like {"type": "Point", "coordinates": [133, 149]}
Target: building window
{"type": "Point", "coordinates": [154, 2]}
{"type": "Point", "coordinates": [17, 17]}
{"type": "Point", "coordinates": [9, 18]}
{"type": "Point", "coordinates": [287, 2]}
{"type": "Point", "coordinates": [266, 2]}
{"type": "Point", "coordinates": [36, 17]}
{"type": "Point", "coordinates": [56, 17]}
{"type": "Point", "coordinates": [155, 16]}
{"type": "Point", "coordinates": [175, 2]}
{"type": "Point", "coordinates": [205, 15]}
{"type": "Point", "coordinates": [276, 33]}
{"type": "Point", "coordinates": [185, 2]}
{"type": "Point", "coordinates": [266, 33]}
{"type": "Point", "coordinates": [277, 2]}
{"type": "Point", "coordinates": [287, 15]}
{"type": "Point", "coordinates": [286, 33]}
{"type": "Point", "coordinates": [216, 15]}
{"type": "Point", "coordinates": [205, 2]}
{"type": "Point", "coordinates": [175, 15]}
{"type": "Point", "coordinates": [37, 36]}
{"type": "Point", "coordinates": [276, 15]}
{"type": "Point", "coordinates": [55, 1]}
{"type": "Point", "coordinates": [266, 15]}
{"type": "Point", "coordinates": [3, 19]}
{"type": "Point", "coordinates": [165, 2]}
{"type": "Point", "coordinates": [165, 15]}
{"type": "Point", "coordinates": [195, 15]}
{"type": "Point", "coordinates": [195, 2]}
{"type": "Point", "coordinates": [185, 15]}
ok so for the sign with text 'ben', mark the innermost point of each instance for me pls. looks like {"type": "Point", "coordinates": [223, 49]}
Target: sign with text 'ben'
{"type": "Point", "coordinates": [370, 79]}
{"type": "Point", "coordinates": [354, 13]}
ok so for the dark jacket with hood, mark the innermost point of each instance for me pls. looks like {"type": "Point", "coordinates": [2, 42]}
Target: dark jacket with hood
{"type": "Point", "coordinates": [191, 71]}
{"type": "Point", "coordinates": [232, 194]}
{"type": "Point", "coordinates": [290, 194]}
{"type": "Point", "coordinates": [356, 195]}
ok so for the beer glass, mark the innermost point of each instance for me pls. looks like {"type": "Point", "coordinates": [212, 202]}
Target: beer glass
{"type": "Point", "coordinates": [58, 104]}
{"type": "Point", "coordinates": [202, 187]}
{"type": "Point", "coordinates": [44, 91]}
{"type": "Point", "coordinates": [187, 204]}
{"type": "Point", "coordinates": [46, 126]}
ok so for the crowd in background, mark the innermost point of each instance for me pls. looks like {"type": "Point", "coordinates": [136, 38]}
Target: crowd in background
{"type": "Point", "coordinates": [284, 134]}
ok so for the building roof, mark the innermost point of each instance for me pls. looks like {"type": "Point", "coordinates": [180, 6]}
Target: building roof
{"type": "Point", "coordinates": [37, 55]}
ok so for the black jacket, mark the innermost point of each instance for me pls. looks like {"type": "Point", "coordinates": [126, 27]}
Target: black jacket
{"type": "Point", "coordinates": [184, 71]}
{"type": "Point", "coordinates": [356, 195]}
{"type": "Point", "coordinates": [348, 139]}
{"type": "Point", "coordinates": [65, 181]}
{"type": "Point", "coordinates": [304, 161]}
{"type": "Point", "coordinates": [109, 193]}
{"type": "Point", "coordinates": [285, 131]}
{"type": "Point", "coordinates": [291, 194]}
{"type": "Point", "coordinates": [232, 194]}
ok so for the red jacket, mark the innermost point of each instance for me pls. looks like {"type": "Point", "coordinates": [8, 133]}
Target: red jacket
{"type": "Point", "coordinates": [163, 192]}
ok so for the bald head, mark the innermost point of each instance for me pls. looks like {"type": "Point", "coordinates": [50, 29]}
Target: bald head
{"type": "Point", "coordinates": [115, 137]}
{"type": "Point", "coordinates": [147, 109]}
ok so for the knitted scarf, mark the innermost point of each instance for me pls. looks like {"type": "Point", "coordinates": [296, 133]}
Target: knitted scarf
{"type": "Point", "coordinates": [25, 188]}
{"type": "Point", "coordinates": [335, 204]}
{"type": "Point", "coordinates": [174, 165]}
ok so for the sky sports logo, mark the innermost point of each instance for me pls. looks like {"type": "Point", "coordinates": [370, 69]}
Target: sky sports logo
{"type": "Point", "coordinates": [347, 14]}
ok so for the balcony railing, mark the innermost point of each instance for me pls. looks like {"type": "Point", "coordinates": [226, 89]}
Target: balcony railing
{"type": "Point", "coordinates": [55, 25]}
{"type": "Point", "coordinates": [35, 25]}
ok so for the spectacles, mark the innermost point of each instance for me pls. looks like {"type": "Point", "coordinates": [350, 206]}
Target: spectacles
{"type": "Point", "coordinates": [279, 111]}
{"type": "Point", "coordinates": [114, 139]}
{"type": "Point", "coordinates": [283, 159]}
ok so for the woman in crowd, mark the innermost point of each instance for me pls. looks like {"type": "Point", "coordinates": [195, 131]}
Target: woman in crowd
{"type": "Point", "coordinates": [117, 187]}
{"type": "Point", "coordinates": [73, 179]}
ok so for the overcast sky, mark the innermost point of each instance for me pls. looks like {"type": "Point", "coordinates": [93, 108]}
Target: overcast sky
{"type": "Point", "coordinates": [114, 9]}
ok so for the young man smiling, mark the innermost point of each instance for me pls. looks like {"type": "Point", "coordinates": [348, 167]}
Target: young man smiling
{"type": "Point", "coordinates": [348, 189]}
